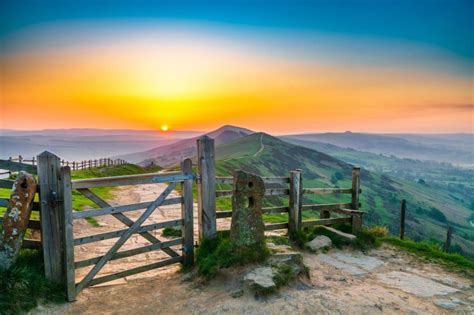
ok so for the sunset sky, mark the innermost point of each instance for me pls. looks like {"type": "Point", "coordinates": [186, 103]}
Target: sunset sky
{"type": "Point", "coordinates": [381, 66]}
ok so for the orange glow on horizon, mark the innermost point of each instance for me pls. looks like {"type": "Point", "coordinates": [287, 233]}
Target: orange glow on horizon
{"type": "Point", "coordinates": [200, 87]}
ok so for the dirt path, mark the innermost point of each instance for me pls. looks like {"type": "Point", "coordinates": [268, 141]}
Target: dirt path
{"type": "Point", "coordinates": [342, 282]}
{"type": "Point", "coordinates": [262, 146]}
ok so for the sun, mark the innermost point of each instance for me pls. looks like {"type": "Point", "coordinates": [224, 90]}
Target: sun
{"type": "Point", "coordinates": [164, 128]}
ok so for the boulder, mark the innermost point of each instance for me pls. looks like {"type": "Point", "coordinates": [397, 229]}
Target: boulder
{"type": "Point", "coordinates": [16, 218]}
{"type": "Point", "coordinates": [247, 227]}
{"type": "Point", "coordinates": [261, 279]}
{"type": "Point", "coordinates": [319, 242]}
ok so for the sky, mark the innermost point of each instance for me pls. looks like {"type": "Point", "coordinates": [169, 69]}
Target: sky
{"type": "Point", "coordinates": [274, 66]}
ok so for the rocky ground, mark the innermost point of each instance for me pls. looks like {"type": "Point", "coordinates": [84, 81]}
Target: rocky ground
{"type": "Point", "coordinates": [385, 280]}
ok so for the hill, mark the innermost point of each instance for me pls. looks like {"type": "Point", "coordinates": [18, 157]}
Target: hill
{"type": "Point", "coordinates": [452, 148]}
{"type": "Point", "coordinates": [172, 154]}
{"type": "Point", "coordinates": [429, 211]}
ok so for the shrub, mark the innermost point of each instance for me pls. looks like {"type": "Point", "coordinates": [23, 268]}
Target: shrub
{"type": "Point", "coordinates": [171, 232]}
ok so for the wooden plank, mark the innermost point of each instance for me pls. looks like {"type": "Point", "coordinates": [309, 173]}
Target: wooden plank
{"type": "Point", "coordinates": [347, 236]}
{"type": "Point", "coordinates": [136, 270]}
{"type": "Point", "coordinates": [348, 211]}
{"type": "Point", "coordinates": [295, 203]}
{"type": "Point", "coordinates": [121, 209]}
{"type": "Point", "coordinates": [228, 213]}
{"type": "Point", "coordinates": [276, 226]}
{"type": "Point", "coordinates": [130, 252]}
{"type": "Point", "coordinates": [124, 219]}
{"type": "Point", "coordinates": [206, 166]}
{"type": "Point", "coordinates": [108, 235]}
{"type": "Point", "coordinates": [51, 194]}
{"type": "Point", "coordinates": [31, 244]}
{"type": "Point", "coordinates": [151, 178]}
{"type": "Point", "coordinates": [16, 166]}
{"type": "Point", "coordinates": [187, 214]}
{"type": "Point", "coordinates": [136, 225]}
{"type": "Point", "coordinates": [268, 192]}
{"type": "Point", "coordinates": [68, 233]}
{"type": "Point", "coordinates": [326, 207]}
{"type": "Point", "coordinates": [229, 180]}
{"type": "Point", "coordinates": [6, 183]}
{"type": "Point", "coordinates": [325, 221]}
{"type": "Point", "coordinates": [268, 180]}
{"type": "Point", "coordinates": [322, 191]}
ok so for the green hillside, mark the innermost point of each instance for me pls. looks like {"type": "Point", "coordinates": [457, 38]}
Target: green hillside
{"type": "Point", "coordinates": [429, 209]}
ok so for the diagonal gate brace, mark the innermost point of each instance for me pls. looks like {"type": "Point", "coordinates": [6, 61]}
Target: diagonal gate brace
{"type": "Point", "coordinates": [135, 226]}
{"type": "Point", "coordinates": [124, 219]}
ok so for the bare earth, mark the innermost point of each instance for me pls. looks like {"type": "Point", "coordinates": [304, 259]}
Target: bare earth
{"type": "Point", "coordinates": [385, 280]}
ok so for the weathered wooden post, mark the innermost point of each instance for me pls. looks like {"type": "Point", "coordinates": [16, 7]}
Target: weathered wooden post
{"type": "Point", "coordinates": [206, 188]}
{"type": "Point", "coordinates": [403, 207]}
{"type": "Point", "coordinates": [449, 233]}
{"type": "Point", "coordinates": [33, 160]}
{"type": "Point", "coordinates": [73, 165]}
{"type": "Point", "coordinates": [187, 214]}
{"type": "Point", "coordinates": [52, 218]}
{"type": "Point", "coordinates": [295, 203]}
{"type": "Point", "coordinates": [355, 203]}
{"type": "Point", "coordinates": [20, 159]}
{"type": "Point", "coordinates": [67, 233]}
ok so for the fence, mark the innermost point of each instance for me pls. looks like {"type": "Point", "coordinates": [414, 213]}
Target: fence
{"type": "Point", "coordinates": [291, 187]}
{"type": "Point", "coordinates": [75, 165]}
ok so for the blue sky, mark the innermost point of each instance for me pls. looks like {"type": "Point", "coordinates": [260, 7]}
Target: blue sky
{"type": "Point", "coordinates": [445, 24]}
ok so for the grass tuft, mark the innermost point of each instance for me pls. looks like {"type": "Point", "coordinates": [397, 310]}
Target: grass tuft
{"type": "Point", "coordinates": [218, 253]}
{"type": "Point", "coordinates": [24, 284]}
{"type": "Point", "coordinates": [170, 232]}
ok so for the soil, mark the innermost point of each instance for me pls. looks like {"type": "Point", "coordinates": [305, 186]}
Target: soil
{"type": "Point", "coordinates": [385, 280]}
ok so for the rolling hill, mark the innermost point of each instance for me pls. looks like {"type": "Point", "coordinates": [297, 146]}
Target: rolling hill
{"type": "Point", "coordinates": [169, 155]}
{"type": "Point", "coordinates": [452, 148]}
{"type": "Point", "coordinates": [429, 209]}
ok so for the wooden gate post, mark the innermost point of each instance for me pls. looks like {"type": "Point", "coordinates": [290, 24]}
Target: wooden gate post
{"type": "Point", "coordinates": [206, 188]}
{"type": "Point", "coordinates": [447, 244]}
{"type": "Point", "coordinates": [355, 203]}
{"type": "Point", "coordinates": [295, 203]}
{"type": "Point", "coordinates": [403, 208]}
{"type": "Point", "coordinates": [51, 197]}
{"type": "Point", "coordinates": [187, 214]}
{"type": "Point", "coordinates": [68, 235]}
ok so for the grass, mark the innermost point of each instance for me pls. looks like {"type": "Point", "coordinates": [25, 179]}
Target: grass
{"type": "Point", "coordinates": [23, 285]}
{"type": "Point", "coordinates": [433, 252]}
{"type": "Point", "coordinates": [171, 232]}
{"type": "Point", "coordinates": [218, 253]}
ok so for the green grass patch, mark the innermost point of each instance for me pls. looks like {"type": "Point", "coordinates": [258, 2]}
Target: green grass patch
{"type": "Point", "coordinates": [24, 285]}
{"type": "Point", "coordinates": [278, 240]}
{"type": "Point", "coordinates": [218, 253]}
{"type": "Point", "coordinates": [171, 232]}
{"type": "Point", "coordinates": [434, 252]}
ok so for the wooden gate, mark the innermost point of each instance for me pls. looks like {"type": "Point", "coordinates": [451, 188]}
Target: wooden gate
{"type": "Point", "coordinates": [184, 177]}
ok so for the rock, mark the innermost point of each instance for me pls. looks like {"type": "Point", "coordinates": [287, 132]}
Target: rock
{"type": "Point", "coordinates": [247, 227]}
{"type": "Point", "coordinates": [448, 304]}
{"type": "Point", "coordinates": [237, 293]}
{"type": "Point", "coordinates": [261, 279]}
{"type": "Point", "coordinates": [319, 242]}
{"type": "Point", "coordinates": [16, 218]}
{"type": "Point", "coordinates": [292, 260]}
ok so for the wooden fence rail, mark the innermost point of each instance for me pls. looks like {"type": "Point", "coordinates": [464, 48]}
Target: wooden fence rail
{"type": "Point", "coordinates": [75, 165]}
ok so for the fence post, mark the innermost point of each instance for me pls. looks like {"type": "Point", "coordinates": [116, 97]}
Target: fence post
{"type": "Point", "coordinates": [402, 218]}
{"type": "Point", "coordinates": [356, 219]}
{"type": "Point", "coordinates": [68, 235]}
{"type": "Point", "coordinates": [187, 214]}
{"type": "Point", "coordinates": [206, 188]}
{"type": "Point", "coordinates": [449, 233]}
{"type": "Point", "coordinates": [20, 159]}
{"type": "Point", "coordinates": [295, 203]}
{"type": "Point", "coordinates": [51, 195]}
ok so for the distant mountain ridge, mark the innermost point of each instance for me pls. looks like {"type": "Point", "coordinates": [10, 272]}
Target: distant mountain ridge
{"type": "Point", "coordinates": [452, 148]}
{"type": "Point", "coordinates": [172, 154]}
